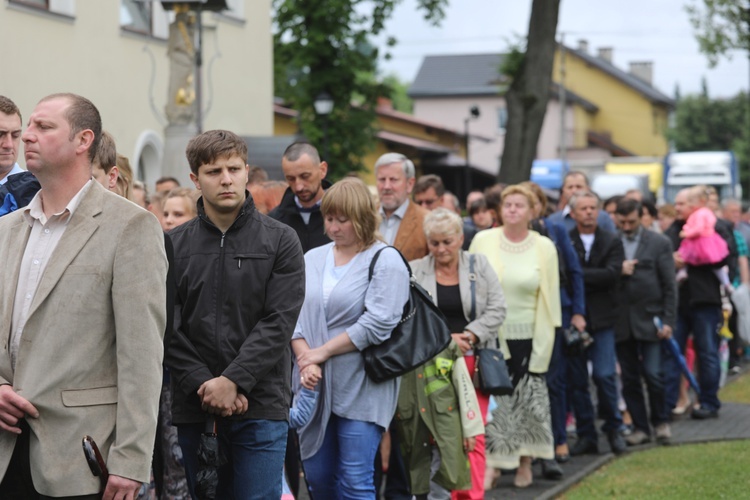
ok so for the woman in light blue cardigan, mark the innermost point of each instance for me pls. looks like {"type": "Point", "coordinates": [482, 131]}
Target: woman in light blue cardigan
{"type": "Point", "coordinates": [344, 312]}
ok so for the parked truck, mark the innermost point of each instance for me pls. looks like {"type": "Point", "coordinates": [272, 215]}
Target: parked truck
{"type": "Point", "coordinates": [712, 168]}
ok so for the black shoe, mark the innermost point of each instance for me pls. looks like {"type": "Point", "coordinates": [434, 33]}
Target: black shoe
{"type": "Point", "coordinates": [617, 442]}
{"type": "Point", "coordinates": [551, 470]}
{"type": "Point", "coordinates": [701, 413]}
{"type": "Point", "coordinates": [561, 458]}
{"type": "Point", "coordinates": [584, 446]}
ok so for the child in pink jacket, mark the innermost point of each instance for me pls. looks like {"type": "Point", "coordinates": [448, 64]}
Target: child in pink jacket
{"type": "Point", "coordinates": [701, 245]}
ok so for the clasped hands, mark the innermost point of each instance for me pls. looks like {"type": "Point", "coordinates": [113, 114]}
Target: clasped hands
{"type": "Point", "coordinates": [219, 396]}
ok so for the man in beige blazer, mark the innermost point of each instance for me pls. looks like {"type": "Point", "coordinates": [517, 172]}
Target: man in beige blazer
{"type": "Point", "coordinates": [82, 314]}
{"type": "Point", "coordinates": [401, 224]}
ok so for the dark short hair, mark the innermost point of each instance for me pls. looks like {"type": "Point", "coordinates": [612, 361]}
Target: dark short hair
{"type": "Point", "coordinates": [648, 206]}
{"type": "Point", "coordinates": [478, 206]}
{"type": "Point", "coordinates": [295, 150]}
{"type": "Point", "coordinates": [162, 180]}
{"type": "Point", "coordinates": [9, 107]}
{"type": "Point", "coordinates": [493, 196]}
{"type": "Point", "coordinates": [106, 152]}
{"type": "Point", "coordinates": [209, 146]}
{"type": "Point", "coordinates": [576, 172]}
{"type": "Point", "coordinates": [428, 181]}
{"type": "Point", "coordinates": [627, 206]}
{"type": "Point", "coordinates": [613, 199]}
{"type": "Point", "coordinates": [81, 115]}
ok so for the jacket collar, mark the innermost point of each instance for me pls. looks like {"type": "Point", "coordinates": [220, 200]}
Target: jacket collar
{"type": "Point", "coordinates": [287, 201]}
{"type": "Point", "coordinates": [245, 212]}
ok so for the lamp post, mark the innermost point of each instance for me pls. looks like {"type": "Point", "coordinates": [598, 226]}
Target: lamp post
{"type": "Point", "coordinates": [323, 106]}
{"type": "Point", "coordinates": [473, 114]}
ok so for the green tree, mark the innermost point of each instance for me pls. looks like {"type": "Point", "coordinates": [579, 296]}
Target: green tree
{"type": "Point", "coordinates": [398, 93]}
{"type": "Point", "coordinates": [705, 124]}
{"type": "Point", "coordinates": [526, 99]}
{"type": "Point", "coordinates": [322, 46]}
{"type": "Point", "coordinates": [721, 26]}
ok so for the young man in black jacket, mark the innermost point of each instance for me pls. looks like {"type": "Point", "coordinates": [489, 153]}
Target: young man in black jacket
{"type": "Point", "coordinates": [601, 255]}
{"type": "Point", "coordinates": [300, 206]}
{"type": "Point", "coordinates": [240, 286]}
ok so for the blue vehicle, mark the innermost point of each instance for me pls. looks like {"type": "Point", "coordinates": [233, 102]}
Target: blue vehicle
{"type": "Point", "coordinates": [549, 174]}
{"type": "Point", "coordinates": [712, 168]}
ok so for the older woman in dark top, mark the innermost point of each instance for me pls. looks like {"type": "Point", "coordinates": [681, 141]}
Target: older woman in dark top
{"type": "Point", "coordinates": [448, 273]}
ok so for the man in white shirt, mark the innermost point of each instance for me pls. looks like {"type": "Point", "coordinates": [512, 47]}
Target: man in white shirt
{"type": "Point", "coordinates": [10, 139]}
{"type": "Point", "coordinates": [601, 254]}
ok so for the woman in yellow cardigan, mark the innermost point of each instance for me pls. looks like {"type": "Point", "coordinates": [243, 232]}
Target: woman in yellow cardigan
{"type": "Point", "coordinates": [526, 264]}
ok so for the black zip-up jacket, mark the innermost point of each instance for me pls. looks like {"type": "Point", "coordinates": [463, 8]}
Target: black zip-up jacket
{"type": "Point", "coordinates": [310, 235]}
{"type": "Point", "coordinates": [237, 302]}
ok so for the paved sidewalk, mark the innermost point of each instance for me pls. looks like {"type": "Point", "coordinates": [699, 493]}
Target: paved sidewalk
{"type": "Point", "coordinates": [733, 423]}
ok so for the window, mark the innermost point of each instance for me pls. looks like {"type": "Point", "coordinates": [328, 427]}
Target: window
{"type": "Point", "coordinates": [63, 7]}
{"type": "Point", "coordinates": [136, 16]}
{"type": "Point", "coordinates": [502, 119]}
{"type": "Point", "coordinates": [144, 16]}
{"type": "Point", "coordinates": [235, 9]}
{"type": "Point", "coordinates": [39, 4]}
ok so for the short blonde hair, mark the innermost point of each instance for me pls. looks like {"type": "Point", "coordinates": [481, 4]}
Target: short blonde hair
{"type": "Point", "coordinates": [518, 189]}
{"type": "Point", "coordinates": [350, 198]}
{"type": "Point", "coordinates": [442, 221]}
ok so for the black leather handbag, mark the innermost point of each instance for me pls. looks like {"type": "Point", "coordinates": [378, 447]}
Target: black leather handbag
{"type": "Point", "coordinates": [490, 371]}
{"type": "Point", "coordinates": [421, 334]}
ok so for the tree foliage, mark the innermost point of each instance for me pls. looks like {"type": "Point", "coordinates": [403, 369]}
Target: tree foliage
{"type": "Point", "coordinates": [527, 96]}
{"type": "Point", "coordinates": [323, 46]}
{"type": "Point", "coordinates": [721, 26]}
{"type": "Point", "coordinates": [705, 124]}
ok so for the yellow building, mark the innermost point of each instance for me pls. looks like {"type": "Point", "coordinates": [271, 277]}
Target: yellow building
{"type": "Point", "coordinates": [631, 116]}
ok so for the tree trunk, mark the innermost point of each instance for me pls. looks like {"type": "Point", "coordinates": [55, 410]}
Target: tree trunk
{"type": "Point", "coordinates": [527, 97]}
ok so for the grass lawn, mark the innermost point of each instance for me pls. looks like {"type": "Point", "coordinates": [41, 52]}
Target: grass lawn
{"type": "Point", "coordinates": [738, 391]}
{"type": "Point", "coordinates": [677, 471]}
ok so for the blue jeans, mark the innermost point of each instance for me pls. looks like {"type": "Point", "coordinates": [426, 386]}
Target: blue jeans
{"type": "Point", "coordinates": [703, 323]}
{"type": "Point", "coordinates": [556, 376]}
{"type": "Point", "coordinates": [643, 358]}
{"type": "Point", "coordinates": [603, 358]}
{"type": "Point", "coordinates": [344, 465]}
{"type": "Point", "coordinates": [255, 457]}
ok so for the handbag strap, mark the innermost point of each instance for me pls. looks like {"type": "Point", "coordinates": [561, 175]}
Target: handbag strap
{"type": "Point", "coordinates": [473, 281]}
{"type": "Point", "coordinates": [375, 259]}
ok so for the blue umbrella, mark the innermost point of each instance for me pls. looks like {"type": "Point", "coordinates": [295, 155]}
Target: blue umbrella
{"type": "Point", "coordinates": [674, 350]}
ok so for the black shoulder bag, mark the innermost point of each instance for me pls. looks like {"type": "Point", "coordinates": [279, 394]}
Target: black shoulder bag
{"type": "Point", "coordinates": [421, 334]}
{"type": "Point", "coordinates": [490, 371]}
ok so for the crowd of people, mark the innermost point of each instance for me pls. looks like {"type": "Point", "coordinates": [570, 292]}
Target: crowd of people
{"type": "Point", "coordinates": [243, 313]}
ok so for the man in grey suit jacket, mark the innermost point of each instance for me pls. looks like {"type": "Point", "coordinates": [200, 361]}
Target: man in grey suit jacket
{"type": "Point", "coordinates": [647, 291]}
{"type": "Point", "coordinates": [82, 315]}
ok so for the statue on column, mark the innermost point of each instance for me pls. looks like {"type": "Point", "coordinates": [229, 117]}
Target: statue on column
{"type": "Point", "coordinates": [181, 104]}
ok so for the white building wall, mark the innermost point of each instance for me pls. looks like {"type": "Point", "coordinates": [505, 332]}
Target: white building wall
{"type": "Point", "coordinates": [86, 52]}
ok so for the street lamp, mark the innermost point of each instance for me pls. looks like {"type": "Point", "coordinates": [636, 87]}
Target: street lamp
{"type": "Point", "coordinates": [323, 106]}
{"type": "Point", "coordinates": [473, 114]}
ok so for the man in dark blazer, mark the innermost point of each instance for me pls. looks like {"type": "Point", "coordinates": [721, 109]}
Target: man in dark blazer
{"type": "Point", "coordinates": [647, 291]}
{"type": "Point", "coordinates": [600, 253]}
